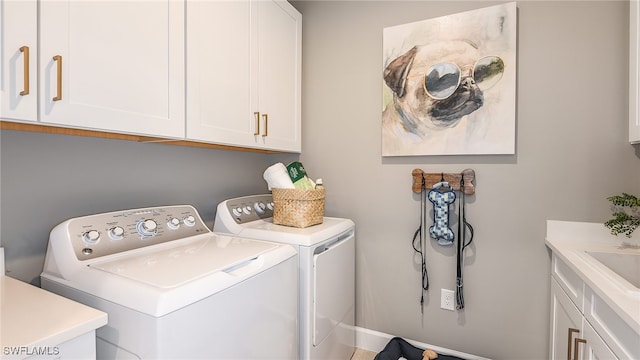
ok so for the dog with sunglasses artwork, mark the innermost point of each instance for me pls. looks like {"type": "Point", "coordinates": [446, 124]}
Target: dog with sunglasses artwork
{"type": "Point", "coordinates": [434, 87]}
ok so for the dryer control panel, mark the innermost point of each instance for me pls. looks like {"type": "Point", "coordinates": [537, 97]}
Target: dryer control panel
{"type": "Point", "coordinates": [249, 208]}
{"type": "Point", "coordinates": [115, 232]}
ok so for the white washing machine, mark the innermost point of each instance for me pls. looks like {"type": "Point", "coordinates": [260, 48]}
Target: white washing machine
{"type": "Point", "coordinates": [172, 289]}
{"type": "Point", "coordinates": [327, 271]}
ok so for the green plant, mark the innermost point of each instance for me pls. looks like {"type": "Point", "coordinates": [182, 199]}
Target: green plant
{"type": "Point", "coordinates": [623, 222]}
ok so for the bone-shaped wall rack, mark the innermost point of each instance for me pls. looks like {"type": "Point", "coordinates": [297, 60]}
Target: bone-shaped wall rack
{"type": "Point", "coordinates": [467, 176]}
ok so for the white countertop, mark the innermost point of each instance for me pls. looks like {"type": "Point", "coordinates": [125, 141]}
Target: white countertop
{"type": "Point", "coordinates": [34, 317]}
{"type": "Point", "coordinates": [571, 240]}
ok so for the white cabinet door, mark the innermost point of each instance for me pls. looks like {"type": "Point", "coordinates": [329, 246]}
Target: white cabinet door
{"type": "Point", "coordinates": [594, 347]}
{"type": "Point", "coordinates": [572, 335]}
{"type": "Point", "coordinates": [566, 324]}
{"type": "Point", "coordinates": [218, 50]}
{"type": "Point", "coordinates": [19, 40]}
{"type": "Point", "coordinates": [243, 73]}
{"type": "Point", "coordinates": [634, 72]}
{"type": "Point", "coordinates": [279, 39]}
{"type": "Point", "coordinates": [113, 65]}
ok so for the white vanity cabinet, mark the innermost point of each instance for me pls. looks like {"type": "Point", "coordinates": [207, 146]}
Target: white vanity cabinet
{"type": "Point", "coordinates": [113, 65]}
{"type": "Point", "coordinates": [19, 51]}
{"type": "Point", "coordinates": [572, 337]}
{"type": "Point", "coordinates": [244, 73]}
{"type": "Point", "coordinates": [583, 326]}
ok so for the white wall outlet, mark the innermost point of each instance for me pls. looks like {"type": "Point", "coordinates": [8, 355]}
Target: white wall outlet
{"type": "Point", "coordinates": [447, 299]}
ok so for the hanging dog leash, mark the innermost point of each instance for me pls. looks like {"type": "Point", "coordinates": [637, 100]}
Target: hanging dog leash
{"type": "Point", "coordinates": [419, 235]}
{"type": "Point", "coordinates": [463, 226]}
{"type": "Point", "coordinates": [442, 195]}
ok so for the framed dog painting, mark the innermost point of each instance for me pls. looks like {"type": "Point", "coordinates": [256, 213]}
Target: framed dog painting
{"type": "Point", "coordinates": [449, 84]}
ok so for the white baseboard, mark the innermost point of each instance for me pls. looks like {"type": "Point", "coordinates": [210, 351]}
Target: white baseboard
{"type": "Point", "coordinates": [371, 340]}
{"type": "Point", "coordinates": [375, 341]}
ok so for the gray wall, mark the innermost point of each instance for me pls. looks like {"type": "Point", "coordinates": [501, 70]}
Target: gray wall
{"type": "Point", "coordinates": [571, 154]}
{"type": "Point", "coordinates": [46, 179]}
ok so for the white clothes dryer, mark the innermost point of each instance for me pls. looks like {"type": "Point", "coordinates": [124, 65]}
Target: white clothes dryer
{"type": "Point", "coordinates": [172, 289]}
{"type": "Point", "coordinates": [326, 255]}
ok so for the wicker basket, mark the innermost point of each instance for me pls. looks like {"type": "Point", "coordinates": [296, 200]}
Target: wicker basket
{"type": "Point", "coordinates": [298, 208]}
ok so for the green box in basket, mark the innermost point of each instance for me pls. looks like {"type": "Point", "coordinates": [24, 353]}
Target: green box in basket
{"type": "Point", "coordinates": [298, 175]}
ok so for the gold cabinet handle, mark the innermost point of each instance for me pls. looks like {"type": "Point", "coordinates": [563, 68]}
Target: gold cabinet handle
{"type": "Point", "coordinates": [266, 125]}
{"type": "Point", "coordinates": [257, 115]}
{"type": "Point", "coordinates": [570, 338]}
{"type": "Point", "coordinates": [58, 60]}
{"type": "Point", "coordinates": [576, 344]}
{"type": "Point", "coordinates": [25, 51]}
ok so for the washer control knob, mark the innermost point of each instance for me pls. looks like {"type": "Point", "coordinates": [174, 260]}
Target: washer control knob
{"type": "Point", "coordinates": [247, 210]}
{"type": "Point", "coordinates": [190, 220]}
{"type": "Point", "coordinates": [173, 223]}
{"type": "Point", "coordinates": [270, 205]}
{"type": "Point", "coordinates": [237, 211]}
{"type": "Point", "coordinates": [116, 233]}
{"type": "Point", "coordinates": [91, 236]}
{"type": "Point", "coordinates": [147, 227]}
{"type": "Point", "coordinates": [259, 206]}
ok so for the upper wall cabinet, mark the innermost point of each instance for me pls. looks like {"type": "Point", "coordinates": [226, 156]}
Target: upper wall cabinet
{"type": "Point", "coordinates": [99, 69]}
{"type": "Point", "coordinates": [19, 52]}
{"type": "Point", "coordinates": [244, 73]}
{"type": "Point", "coordinates": [113, 65]}
{"type": "Point", "coordinates": [634, 73]}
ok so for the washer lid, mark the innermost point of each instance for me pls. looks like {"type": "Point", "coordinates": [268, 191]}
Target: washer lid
{"type": "Point", "coordinates": [171, 266]}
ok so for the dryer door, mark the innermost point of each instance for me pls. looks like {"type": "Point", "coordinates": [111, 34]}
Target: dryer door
{"type": "Point", "coordinates": [334, 285]}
